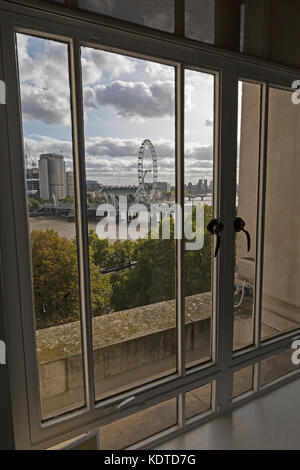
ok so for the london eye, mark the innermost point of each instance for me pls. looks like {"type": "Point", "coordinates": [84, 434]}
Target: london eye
{"type": "Point", "coordinates": [147, 192]}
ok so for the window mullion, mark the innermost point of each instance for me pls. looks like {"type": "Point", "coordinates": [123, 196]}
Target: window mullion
{"type": "Point", "coordinates": [261, 211]}
{"type": "Point", "coordinates": [180, 203]}
{"type": "Point", "coordinates": [226, 186]}
{"type": "Point", "coordinates": [82, 221]}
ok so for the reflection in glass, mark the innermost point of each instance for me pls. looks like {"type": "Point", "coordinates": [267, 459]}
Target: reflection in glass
{"type": "Point", "coordinates": [246, 209]}
{"type": "Point", "coordinates": [200, 20]}
{"type": "Point", "coordinates": [198, 178]}
{"type": "Point", "coordinates": [134, 428]}
{"type": "Point", "coordinates": [198, 401]}
{"type": "Point", "coordinates": [130, 159]}
{"type": "Point", "coordinates": [277, 366]}
{"type": "Point", "coordinates": [281, 269]}
{"type": "Point", "coordinates": [242, 381]}
{"type": "Point", "coordinates": [151, 13]}
{"type": "Point", "coordinates": [46, 113]}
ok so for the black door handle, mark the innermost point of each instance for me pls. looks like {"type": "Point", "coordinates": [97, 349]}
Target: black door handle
{"type": "Point", "coordinates": [215, 227]}
{"type": "Point", "coordinates": [239, 226]}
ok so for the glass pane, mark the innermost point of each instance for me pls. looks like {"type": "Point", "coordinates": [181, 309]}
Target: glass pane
{"type": "Point", "coordinates": [198, 178]}
{"type": "Point", "coordinates": [242, 381]}
{"type": "Point", "coordinates": [130, 159]}
{"type": "Point", "coordinates": [277, 366]}
{"type": "Point", "coordinates": [200, 20]}
{"type": "Point", "coordinates": [46, 113]}
{"type": "Point", "coordinates": [88, 444]}
{"type": "Point", "coordinates": [134, 428]}
{"type": "Point", "coordinates": [83, 442]}
{"type": "Point", "coordinates": [281, 271]}
{"type": "Point", "coordinates": [246, 209]}
{"type": "Point", "coordinates": [152, 13]}
{"type": "Point", "coordinates": [197, 401]}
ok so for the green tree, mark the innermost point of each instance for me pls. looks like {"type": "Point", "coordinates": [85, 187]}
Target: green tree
{"type": "Point", "coordinates": [124, 252]}
{"type": "Point", "coordinates": [33, 204]}
{"type": "Point", "coordinates": [197, 264]}
{"type": "Point", "coordinates": [102, 251]}
{"type": "Point", "coordinates": [69, 199]}
{"type": "Point", "coordinates": [153, 278]}
{"type": "Point", "coordinates": [55, 280]}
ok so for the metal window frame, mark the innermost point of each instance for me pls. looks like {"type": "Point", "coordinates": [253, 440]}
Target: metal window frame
{"type": "Point", "coordinates": [76, 29]}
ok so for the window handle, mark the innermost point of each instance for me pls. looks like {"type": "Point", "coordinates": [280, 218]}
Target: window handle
{"type": "Point", "coordinates": [239, 226]}
{"type": "Point", "coordinates": [215, 227]}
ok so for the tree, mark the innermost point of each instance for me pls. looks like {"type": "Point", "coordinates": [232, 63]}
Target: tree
{"type": "Point", "coordinates": [69, 199]}
{"type": "Point", "coordinates": [33, 204]}
{"type": "Point", "coordinates": [153, 278]}
{"type": "Point", "coordinates": [102, 251]}
{"type": "Point", "coordinates": [100, 290]}
{"type": "Point", "coordinates": [124, 252]}
{"type": "Point", "coordinates": [55, 279]}
{"type": "Point", "coordinates": [197, 264]}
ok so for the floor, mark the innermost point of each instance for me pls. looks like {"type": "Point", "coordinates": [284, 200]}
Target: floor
{"type": "Point", "coordinates": [271, 422]}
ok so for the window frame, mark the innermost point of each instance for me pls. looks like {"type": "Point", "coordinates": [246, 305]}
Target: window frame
{"type": "Point", "coordinates": [229, 68]}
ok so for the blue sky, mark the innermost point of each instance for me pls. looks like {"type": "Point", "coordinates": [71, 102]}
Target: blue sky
{"type": "Point", "coordinates": [126, 100]}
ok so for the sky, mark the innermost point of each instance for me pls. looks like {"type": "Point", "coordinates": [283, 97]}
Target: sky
{"type": "Point", "coordinates": [126, 100]}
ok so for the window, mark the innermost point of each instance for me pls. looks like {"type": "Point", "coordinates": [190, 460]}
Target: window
{"type": "Point", "coordinates": [198, 401]}
{"type": "Point", "coordinates": [281, 272]}
{"type": "Point", "coordinates": [200, 20]}
{"type": "Point", "coordinates": [248, 164]}
{"type": "Point", "coordinates": [277, 366]}
{"type": "Point", "coordinates": [151, 13]}
{"type": "Point", "coordinates": [129, 107]}
{"type": "Point", "coordinates": [122, 324]}
{"type": "Point", "coordinates": [242, 381]}
{"type": "Point", "coordinates": [199, 203]}
{"type": "Point", "coordinates": [51, 200]}
{"type": "Point", "coordinates": [134, 428]}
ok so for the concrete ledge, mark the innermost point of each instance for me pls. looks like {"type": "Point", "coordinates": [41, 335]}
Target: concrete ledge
{"type": "Point", "coordinates": [130, 347]}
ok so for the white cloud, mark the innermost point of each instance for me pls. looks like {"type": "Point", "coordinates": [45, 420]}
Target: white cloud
{"type": "Point", "coordinates": [114, 161]}
{"type": "Point", "coordinates": [44, 77]}
{"type": "Point", "coordinates": [160, 71]}
{"type": "Point", "coordinates": [96, 62]}
{"type": "Point", "coordinates": [44, 81]}
{"type": "Point", "coordinates": [134, 99]}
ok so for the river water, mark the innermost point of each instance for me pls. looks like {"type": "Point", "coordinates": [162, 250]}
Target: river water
{"type": "Point", "coordinates": [65, 228]}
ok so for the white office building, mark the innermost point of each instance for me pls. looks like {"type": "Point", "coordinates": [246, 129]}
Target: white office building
{"type": "Point", "coordinates": [53, 183]}
{"type": "Point", "coordinates": [70, 183]}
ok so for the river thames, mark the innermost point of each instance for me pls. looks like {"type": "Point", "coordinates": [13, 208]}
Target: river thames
{"type": "Point", "coordinates": [64, 228]}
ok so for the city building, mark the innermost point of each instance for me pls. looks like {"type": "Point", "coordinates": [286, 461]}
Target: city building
{"type": "Point", "coordinates": [52, 171]}
{"type": "Point", "coordinates": [199, 186]}
{"type": "Point", "coordinates": [70, 183]}
{"type": "Point", "coordinates": [164, 187]}
{"type": "Point", "coordinates": [92, 185]}
{"type": "Point", "coordinates": [32, 181]}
